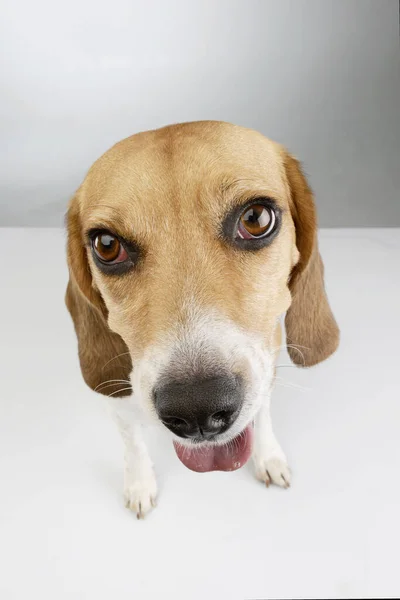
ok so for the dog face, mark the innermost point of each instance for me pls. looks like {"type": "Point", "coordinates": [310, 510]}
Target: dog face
{"type": "Point", "coordinates": [189, 242]}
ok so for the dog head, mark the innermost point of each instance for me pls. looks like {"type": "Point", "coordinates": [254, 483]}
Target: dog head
{"type": "Point", "coordinates": [186, 245]}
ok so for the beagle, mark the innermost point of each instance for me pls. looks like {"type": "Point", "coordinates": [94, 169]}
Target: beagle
{"type": "Point", "coordinates": [186, 245]}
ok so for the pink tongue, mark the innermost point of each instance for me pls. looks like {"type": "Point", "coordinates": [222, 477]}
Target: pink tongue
{"type": "Point", "coordinates": [228, 457]}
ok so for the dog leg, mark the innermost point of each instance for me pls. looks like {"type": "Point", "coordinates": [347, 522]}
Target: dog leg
{"type": "Point", "coordinates": [269, 459]}
{"type": "Point", "coordinates": [140, 486]}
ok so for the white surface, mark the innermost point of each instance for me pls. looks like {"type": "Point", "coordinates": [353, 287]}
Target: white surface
{"type": "Point", "coordinates": [64, 533]}
{"type": "Point", "coordinates": [320, 76]}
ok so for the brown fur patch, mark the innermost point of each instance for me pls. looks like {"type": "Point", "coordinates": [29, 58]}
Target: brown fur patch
{"type": "Point", "coordinates": [104, 358]}
{"type": "Point", "coordinates": [310, 324]}
{"type": "Point", "coordinates": [98, 346]}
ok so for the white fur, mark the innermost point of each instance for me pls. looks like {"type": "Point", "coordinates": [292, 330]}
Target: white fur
{"type": "Point", "coordinates": [269, 459]}
{"type": "Point", "coordinates": [205, 338]}
{"type": "Point", "coordinates": [140, 486]}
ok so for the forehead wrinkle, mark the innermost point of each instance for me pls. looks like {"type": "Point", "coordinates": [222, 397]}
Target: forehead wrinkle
{"type": "Point", "coordinates": [245, 188]}
{"type": "Point", "coordinates": [127, 224]}
{"type": "Point", "coordinates": [129, 210]}
{"type": "Point", "coordinates": [226, 178]}
{"type": "Point", "coordinates": [113, 222]}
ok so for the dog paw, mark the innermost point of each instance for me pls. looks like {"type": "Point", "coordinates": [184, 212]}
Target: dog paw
{"type": "Point", "coordinates": [140, 495]}
{"type": "Point", "coordinates": [273, 469]}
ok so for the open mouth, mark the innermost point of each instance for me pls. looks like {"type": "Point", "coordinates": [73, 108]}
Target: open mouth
{"type": "Point", "coordinates": [227, 457]}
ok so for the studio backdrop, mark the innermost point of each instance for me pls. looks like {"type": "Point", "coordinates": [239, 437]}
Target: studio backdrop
{"type": "Point", "coordinates": [320, 76]}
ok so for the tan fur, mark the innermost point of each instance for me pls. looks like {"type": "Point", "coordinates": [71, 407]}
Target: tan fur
{"type": "Point", "coordinates": [168, 190]}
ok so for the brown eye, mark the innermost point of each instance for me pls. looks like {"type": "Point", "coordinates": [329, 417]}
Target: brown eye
{"type": "Point", "coordinates": [108, 248]}
{"type": "Point", "coordinates": [257, 221]}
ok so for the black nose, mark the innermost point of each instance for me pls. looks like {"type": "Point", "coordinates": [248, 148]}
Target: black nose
{"type": "Point", "coordinates": [200, 408]}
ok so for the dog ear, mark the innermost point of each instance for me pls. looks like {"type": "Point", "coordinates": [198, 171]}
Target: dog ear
{"type": "Point", "coordinates": [104, 358]}
{"type": "Point", "coordinates": [311, 329]}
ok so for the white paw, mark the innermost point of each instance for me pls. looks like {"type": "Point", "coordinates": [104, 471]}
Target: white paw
{"type": "Point", "coordinates": [272, 469]}
{"type": "Point", "coordinates": [140, 495]}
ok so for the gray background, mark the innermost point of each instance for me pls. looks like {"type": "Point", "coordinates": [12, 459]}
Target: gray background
{"type": "Point", "coordinates": [321, 76]}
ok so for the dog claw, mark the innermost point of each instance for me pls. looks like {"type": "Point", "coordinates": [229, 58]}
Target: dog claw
{"type": "Point", "coordinates": [272, 470]}
{"type": "Point", "coordinates": [268, 479]}
{"type": "Point", "coordinates": [140, 496]}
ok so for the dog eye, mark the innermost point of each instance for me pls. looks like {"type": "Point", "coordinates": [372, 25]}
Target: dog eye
{"type": "Point", "coordinates": [109, 249]}
{"type": "Point", "coordinates": [256, 222]}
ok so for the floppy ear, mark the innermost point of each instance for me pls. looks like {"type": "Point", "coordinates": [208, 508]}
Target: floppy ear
{"type": "Point", "coordinates": [103, 355]}
{"type": "Point", "coordinates": [310, 324]}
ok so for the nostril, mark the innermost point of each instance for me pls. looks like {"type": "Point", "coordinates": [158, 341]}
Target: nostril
{"type": "Point", "coordinates": [174, 422]}
{"type": "Point", "coordinates": [222, 415]}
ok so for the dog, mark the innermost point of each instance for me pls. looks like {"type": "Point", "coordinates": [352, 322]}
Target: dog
{"type": "Point", "coordinates": [186, 246]}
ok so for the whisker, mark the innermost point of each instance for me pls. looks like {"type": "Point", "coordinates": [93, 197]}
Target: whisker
{"type": "Point", "coordinates": [298, 346]}
{"type": "Point", "coordinates": [292, 386]}
{"type": "Point", "coordinates": [289, 384]}
{"type": "Point", "coordinates": [294, 347]}
{"type": "Point", "coordinates": [299, 351]}
{"type": "Point", "coordinates": [111, 381]}
{"type": "Point", "coordinates": [101, 389]}
{"type": "Point", "coordinates": [118, 391]}
{"type": "Point", "coordinates": [291, 345]}
{"type": "Point", "coordinates": [115, 358]}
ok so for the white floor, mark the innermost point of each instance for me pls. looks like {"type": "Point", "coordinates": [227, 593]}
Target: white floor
{"type": "Point", "coordinates": [64, 532]}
